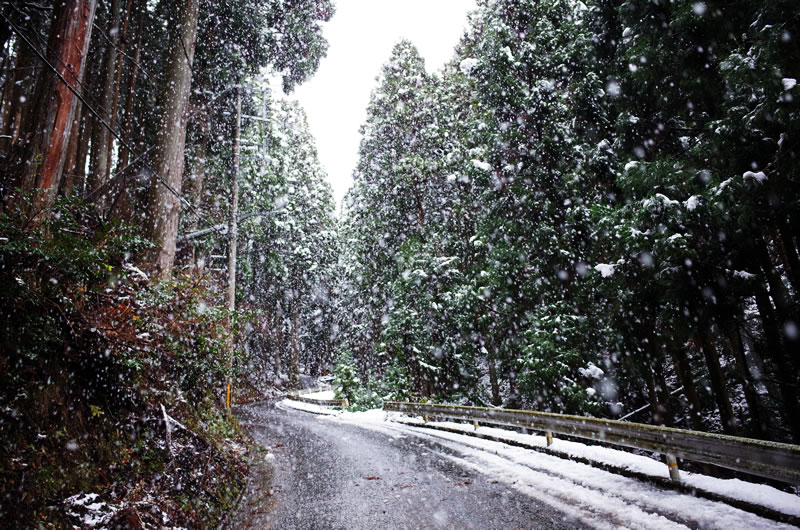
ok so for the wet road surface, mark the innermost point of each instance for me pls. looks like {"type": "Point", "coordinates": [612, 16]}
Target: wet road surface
{"type": "Point", "coordinates": [328, 474]}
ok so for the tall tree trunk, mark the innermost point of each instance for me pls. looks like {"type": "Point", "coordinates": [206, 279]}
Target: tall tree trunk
{"type": "Point", "coordinates": [730, 330]}
{"type": "Point", "coordinates": [164, 206]}
{"type": "Point", "coordinates": [786, 370]}
{"type": "Point", "coordinates": [777, 289]}
{"type": "Point", "coordinates": [28, 69]}
{"type": "Point", "coordinates": [10, 78]}
{"type": "Point", "coordinates": [101, 139]}
{"type": "Point", "coordinates": [83, 152]}
{"type": "Point", "coordinates": [790, 247]}
{"type": "Point", "coordinates": [122, 41]}
{"type": "Point", "coordinates": [717, 380]}
{"type": "Point", "coordinates": [54, 110]}
{"type": "Point", "coordinates": [656, 364]}
{"type": "Point", "coordinates": [761, 373]}
{"type": "Point", "coordinates": [19, 100]}
{"type": "Point", "coordinates": [233, 228]}
{"type": "Point", "coordinates": [663, 395]}
{"type": "Point", "coordinates": [71, 161]}
{"type": "Point", "coordinates": [125, 154]}
{"type": "Point", "coordinates": [5, 28]}
{"type": "Point", "coordinates": [684, 370]}
{"type": "Point", "coordinates": [786, 253]}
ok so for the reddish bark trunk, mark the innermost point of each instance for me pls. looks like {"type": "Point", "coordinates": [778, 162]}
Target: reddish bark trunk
{"type": "Point", "coordinates": [55, 108]}
{"type": "Point", "coordinates": [125, 154]}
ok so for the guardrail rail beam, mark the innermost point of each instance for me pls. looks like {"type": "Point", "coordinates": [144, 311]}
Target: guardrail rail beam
{"type": "Point", "coordinates": [773, 460]}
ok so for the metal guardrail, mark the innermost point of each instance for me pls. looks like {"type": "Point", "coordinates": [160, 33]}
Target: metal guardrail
{"type": "Point", "coordinates": [771, 460]}
{"type": "Point", "coordinates": [313, 390]}
{"type": "Point", "coordinates": [298, 396]}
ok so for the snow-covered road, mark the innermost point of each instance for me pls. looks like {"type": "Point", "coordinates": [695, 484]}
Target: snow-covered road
{"type": "Point", "coordinates": [331, 474]}
{"type": "Point", "coordinates": [441, 479]}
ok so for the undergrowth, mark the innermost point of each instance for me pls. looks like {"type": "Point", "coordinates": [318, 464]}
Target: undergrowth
{"type": "Point", "coordinates": [93, 356]}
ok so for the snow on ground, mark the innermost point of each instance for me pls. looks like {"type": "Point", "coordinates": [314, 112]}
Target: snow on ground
{"type": "Point", "coordinates": [90, 513]}
{"type": "Point", "coordinates": [307, 407]}
{"type": "Point", "coordinates": [598, 497]}
{"type": "Point", "coordinates": [324, 394]}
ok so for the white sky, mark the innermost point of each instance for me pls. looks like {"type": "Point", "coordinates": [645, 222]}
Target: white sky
{"type": "Point", "coordinates": [360, 36]}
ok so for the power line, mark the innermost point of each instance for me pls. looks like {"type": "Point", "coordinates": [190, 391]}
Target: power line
{"type": "Point", "coordinates": [125, 54]}
{"type": "Point", "coordinates": [99, 118]}
{"type": "Point", "coordinates": [74, 75]}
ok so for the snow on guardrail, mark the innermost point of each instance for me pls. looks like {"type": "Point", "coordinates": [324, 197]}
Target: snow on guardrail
{"type": "Point", "coordinates": [771, 460]}
{"type": "Point", "coordinates": [307, 396]}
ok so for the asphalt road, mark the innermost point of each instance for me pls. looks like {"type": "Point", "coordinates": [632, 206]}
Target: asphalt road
{"type": "Point", "coordinates": [328, 474]}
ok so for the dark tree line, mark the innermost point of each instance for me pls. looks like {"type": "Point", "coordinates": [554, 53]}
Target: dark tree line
{"type": "Point", "coordinates": [592, 208]}
{"type": "Point", "coordinates": [105, 99]}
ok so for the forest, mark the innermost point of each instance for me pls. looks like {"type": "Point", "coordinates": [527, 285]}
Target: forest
{"type": "Point", "coordinates": [591, 209]}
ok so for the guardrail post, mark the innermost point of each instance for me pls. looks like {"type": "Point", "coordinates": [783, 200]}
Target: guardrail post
{"type": "Point", "coordinates": [549, 436]}
{"type": "Point", "coordinates": [475, 424]}
{"type": "Point", "coordinates": [674, 472]}
{"type": "Point", "coordinates": [345, 403]}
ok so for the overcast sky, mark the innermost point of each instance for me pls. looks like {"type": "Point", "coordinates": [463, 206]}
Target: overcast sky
{"type": "Point", "coordinates": [361, 36]}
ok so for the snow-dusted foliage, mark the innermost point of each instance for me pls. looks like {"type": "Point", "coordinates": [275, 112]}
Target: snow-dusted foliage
{"type": "Point", "coordinates": [591, 208]}
{"type": "Point", "coordinates": [288, 254]}
{"type": "Point", "coordinates": [117, 135]}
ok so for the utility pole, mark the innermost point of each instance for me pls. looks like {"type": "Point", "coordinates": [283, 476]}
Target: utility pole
{"type": "Point", "coordinates": [232, 237]}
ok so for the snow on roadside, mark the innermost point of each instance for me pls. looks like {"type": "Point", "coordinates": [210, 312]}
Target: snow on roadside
{"type": "Point", "coordinates": [307, 407]}
{"type": "Point", "coordinates": [632, 502]}
{"type": "Point", "coordinates": [631, 498]}
{"type": "Point", "coordinates": [89, 510]}
{"type": "Point", "coordinates": [593, 504]}
{"type": "Point", "coordinates": [760, 494]}
{"type": "Point", "coordinates": [324, 394]}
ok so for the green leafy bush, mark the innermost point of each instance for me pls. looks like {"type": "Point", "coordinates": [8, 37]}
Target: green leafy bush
{"type": "Point", "coordinates": [89, 352]}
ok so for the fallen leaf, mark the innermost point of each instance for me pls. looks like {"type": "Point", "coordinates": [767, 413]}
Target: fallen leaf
{"type": "Point", "coordinates": [373, 478]}
{"type": "Point", "coordinates": [465, 483]}
{"type": "Point", "coordinates": [278, 445]}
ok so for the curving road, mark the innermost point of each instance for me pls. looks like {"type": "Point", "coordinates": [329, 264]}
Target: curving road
{"type": "Point", "coordinates": [360, 471]}
{"type": "Point", "coordinates": [336, 475]}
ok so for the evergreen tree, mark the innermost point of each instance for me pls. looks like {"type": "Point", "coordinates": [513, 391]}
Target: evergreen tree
{"type": "Point", "coordinates": [346, 383]}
